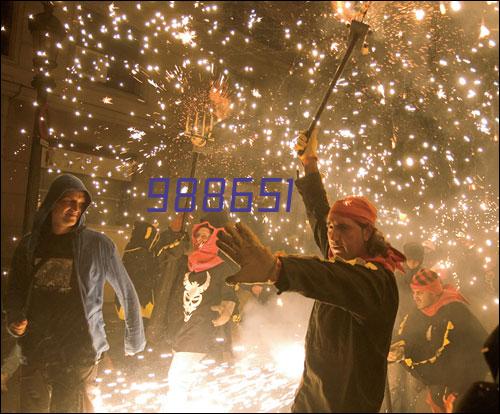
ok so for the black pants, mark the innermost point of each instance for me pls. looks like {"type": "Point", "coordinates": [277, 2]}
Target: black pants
{"type": "Point", "coordinates": [57, 387]}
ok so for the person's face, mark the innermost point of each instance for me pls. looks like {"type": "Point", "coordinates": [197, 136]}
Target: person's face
{"type": "Point", "coordinates": [424, 298]}
{"type": "Point", "coordinates": [201, 236]}
{"type": "Point", "coordinates": [412, 263]}
{"type": "Point", "coordinates": [68, 210]}
{"type": "Point", "coordinates": [347, 238]}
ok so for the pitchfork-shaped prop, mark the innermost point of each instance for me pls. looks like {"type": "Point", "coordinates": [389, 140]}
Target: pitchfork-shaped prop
{"type": "Point", "coordinates": [358, 31]}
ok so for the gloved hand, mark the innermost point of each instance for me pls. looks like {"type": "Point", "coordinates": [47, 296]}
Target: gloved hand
{"type": "Point", "coordinates": [258, 264]}
{"type": "Point", "coordinates": [396, 352]}
{"type": "Point", "coordinates": [225, 309]}
{"type": "Point", "coordinates": [309, 147]}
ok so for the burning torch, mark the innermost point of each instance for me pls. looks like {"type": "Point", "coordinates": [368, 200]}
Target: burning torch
{"type": "Point", "coordinates": [358, 31]}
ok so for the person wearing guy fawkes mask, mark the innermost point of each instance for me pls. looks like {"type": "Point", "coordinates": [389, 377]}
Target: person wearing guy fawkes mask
{"type": "Point", "coordinates": [207, 307]}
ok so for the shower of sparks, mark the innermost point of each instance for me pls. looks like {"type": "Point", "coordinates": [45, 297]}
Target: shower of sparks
{"type": "Point", "coordinates": [412, 124]}
{"type": "Point", "coordinates": [219, 387]}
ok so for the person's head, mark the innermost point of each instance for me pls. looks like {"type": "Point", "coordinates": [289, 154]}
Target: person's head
{"type": "Point", "coordinates": [426, 287]}
{"type": "Point", "coordinates": [351, 229]}
{"type": "Point", "coordinates": [67, 211]}
{"type": "Point", "coordinates": [216, 219]}
{"type": "Point", "coordinates": [201, 235]}
{"type": "Point", "coordinates": [414, 253]}
{"type": "Point", "coordinates": [143, 235]}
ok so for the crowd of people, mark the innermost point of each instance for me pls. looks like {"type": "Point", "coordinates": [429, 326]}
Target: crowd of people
{"type": "Point", "coordinates": [385, 326]}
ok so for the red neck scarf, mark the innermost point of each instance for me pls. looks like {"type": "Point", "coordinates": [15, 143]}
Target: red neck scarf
{"type": "Point", "coordinates": [394, 260]}
{"type": "Point", "coordinates": [391, 262]}
{"type": "Point", "coordinates": [204, 257]}
{"type": "Point", "coordinates": [449, 295]}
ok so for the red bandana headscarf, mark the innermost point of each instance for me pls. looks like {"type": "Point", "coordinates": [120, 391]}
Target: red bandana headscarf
{"type": "Point", "coordinates": [361, 210]}
{"type": "Point", "coordinates": [204, 257]}
{"type": "Point", "coordinates": [428, 280]}
{"type": "Point", "coordinates": [356, 208]}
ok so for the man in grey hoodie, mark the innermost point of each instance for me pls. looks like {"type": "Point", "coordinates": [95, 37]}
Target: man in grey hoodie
{"type": "Point", "coordinates": [55, 296]}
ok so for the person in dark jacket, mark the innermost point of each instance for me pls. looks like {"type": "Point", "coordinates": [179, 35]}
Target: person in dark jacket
{"type": "Point", "coordinates": [55, 295]}
{"type": "Point", "coordinates": [404, 387]}
{"type": "Point", "coordinates": [482, 396]}
{"type": "Point", "coordinates": [142, 266]}
{"type": "Point", "coordinates": [351, 323]}
{"type": "Point", "coordinates": [440, 341]}
{"type": "Point", "coordinates": [207, 307]}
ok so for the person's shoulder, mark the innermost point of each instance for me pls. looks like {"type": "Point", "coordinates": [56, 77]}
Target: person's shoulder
{"type": "Point", "coordinates": [356, 263]}
{"type": "Point", "coordinates": [455, 309]}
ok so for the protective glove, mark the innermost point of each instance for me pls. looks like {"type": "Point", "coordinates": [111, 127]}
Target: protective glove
{"type": "Point", "coordinates": [396, 352]}
{"type": "Point", "coordinates": [258, 264]}
{"type": "Point", "coordinates": [225, 310]}
{"type": "Point", "coordinates": [309, 147]}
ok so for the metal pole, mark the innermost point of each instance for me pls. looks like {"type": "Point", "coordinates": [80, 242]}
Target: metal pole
{"type": "Point", "coordinates": [44, 25]}
{"type": "Point", "coordinates": [34, 167]}
{"type": "Point", "coordinates": [157, 326]}
{"type": "Point", "coordinates": [358, 31]}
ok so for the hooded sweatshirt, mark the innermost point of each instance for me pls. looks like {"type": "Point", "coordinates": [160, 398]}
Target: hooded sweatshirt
{"type": "Point", "coordinates": [94, 260]}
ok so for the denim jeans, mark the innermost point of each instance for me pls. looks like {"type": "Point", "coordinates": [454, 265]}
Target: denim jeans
{"type": "Point", "coordinates": [57, 387]}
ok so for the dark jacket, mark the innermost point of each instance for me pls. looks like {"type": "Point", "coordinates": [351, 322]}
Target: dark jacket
{"type": "Point", "coordinates": [142, 265]}
{"type": "Point", "coordinates": [95, 260]}
{"type": "Point", "coordinates": [444, 349]}
{"type": "Point", "coordinates": [351, 323]}
{"type": "Point", "coordinates": [482, 396]}
{"type": "Point", "coordinates": [406, 303]}
{"type": "Point", "coordinates": [197, 334]}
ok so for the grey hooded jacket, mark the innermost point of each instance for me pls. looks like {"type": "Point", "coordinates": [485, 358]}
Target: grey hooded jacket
{"type": "Point", "coordinates": [95, 261]}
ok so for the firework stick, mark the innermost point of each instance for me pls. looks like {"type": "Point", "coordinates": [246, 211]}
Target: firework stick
{"type": "Point", "coordinates": [358, 31]}
{"type": "Point", "coordinates": [157, 327]}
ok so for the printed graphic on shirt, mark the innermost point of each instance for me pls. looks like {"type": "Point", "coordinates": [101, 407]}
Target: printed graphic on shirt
{"type": "Point", "coordinates": [55, 275]}
{"type": "Point", "coordinates": [193, 295]}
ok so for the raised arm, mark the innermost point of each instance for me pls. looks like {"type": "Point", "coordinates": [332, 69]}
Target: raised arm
{"type": "Point", "coordinates": [312, 190]}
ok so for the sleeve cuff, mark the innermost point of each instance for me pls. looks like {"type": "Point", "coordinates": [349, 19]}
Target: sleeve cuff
{"type": "Point", "coordinates": [282, 284]}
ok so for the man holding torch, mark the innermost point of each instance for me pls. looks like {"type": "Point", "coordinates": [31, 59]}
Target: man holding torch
{"type": "Point", "coordinates": [350, 327]}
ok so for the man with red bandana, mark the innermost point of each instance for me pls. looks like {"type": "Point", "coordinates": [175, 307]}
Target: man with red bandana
{"type": "Point", "coordinates": [440, 341]}
{"type": "Point", "coordinates": [356, 297]}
